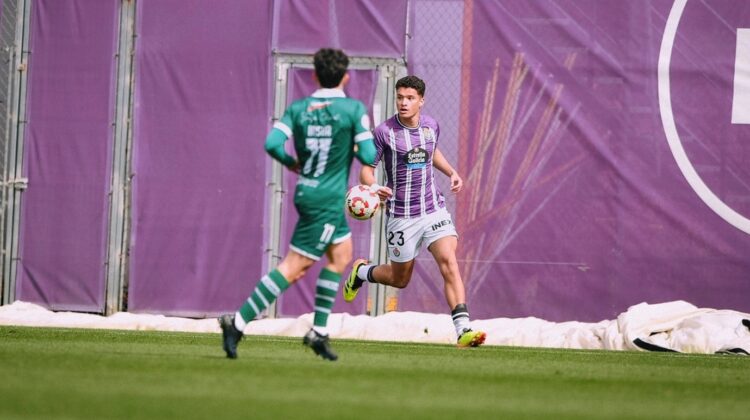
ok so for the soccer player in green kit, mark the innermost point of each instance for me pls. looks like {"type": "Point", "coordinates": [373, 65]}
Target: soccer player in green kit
{"type": "Point", "coordinates": [325, 126]}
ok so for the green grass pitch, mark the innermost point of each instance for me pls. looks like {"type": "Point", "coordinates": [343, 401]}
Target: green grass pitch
{"type": "Point", "coordinates": [70, 373]}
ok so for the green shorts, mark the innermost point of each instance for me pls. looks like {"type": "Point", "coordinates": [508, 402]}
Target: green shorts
{"type": "Point", "coordinates": [317, 229]}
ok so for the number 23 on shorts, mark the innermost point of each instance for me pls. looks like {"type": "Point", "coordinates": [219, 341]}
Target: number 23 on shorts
{"type": "Point", "coordinates": [396, 238]}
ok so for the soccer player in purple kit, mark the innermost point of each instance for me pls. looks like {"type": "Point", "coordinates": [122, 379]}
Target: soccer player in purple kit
{"type": "Point", "coordinates": [407, 145]}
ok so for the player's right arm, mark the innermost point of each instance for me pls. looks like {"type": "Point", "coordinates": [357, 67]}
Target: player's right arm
{"type": "Point", "coordinates": [367, 177]}
{"type": "Point", "coordinates": [275, 147]}
{"type": "Point", "coordinates": [279, 134]}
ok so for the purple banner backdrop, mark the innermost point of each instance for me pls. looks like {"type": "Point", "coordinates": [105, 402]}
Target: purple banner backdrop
{"type": "Point", "coordinates": [67, 154]}
{"type": "Point", "coordinates": [366, 28]}
{"type": "Point", "coordinates": [300, 298]}
{"type": "Point", "coordinates": [201, 114]}
{"type": "Point", "coordinates": [575, 207]}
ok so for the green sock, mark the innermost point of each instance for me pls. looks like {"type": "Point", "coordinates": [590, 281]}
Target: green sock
{"type": "Point", "coordinates": [266, 291]}
{"type": "Point", "coordinates": [326, 289]}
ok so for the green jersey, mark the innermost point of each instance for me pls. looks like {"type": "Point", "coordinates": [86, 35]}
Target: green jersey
{"type": "Point", "coordinates": [325, 127]}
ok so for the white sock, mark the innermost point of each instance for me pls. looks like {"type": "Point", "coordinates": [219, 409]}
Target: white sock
{"type": "Point", "coordinates": [362, 272]}
{"type": "Point", "coordinates": [461, 319]}
{"type": "Point", "coordinates": [239, 323]}
{"type": "Point", "coordinates": [321, 330]}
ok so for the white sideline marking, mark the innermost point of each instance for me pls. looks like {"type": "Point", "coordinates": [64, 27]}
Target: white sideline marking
{"type": "Point", "coordinates": [741, 101]}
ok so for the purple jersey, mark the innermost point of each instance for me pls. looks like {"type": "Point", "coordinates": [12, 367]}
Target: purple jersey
{"type": "Point", "coordinates": [407, 157]}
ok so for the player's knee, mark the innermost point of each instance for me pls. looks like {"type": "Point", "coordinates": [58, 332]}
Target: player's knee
{"type": "Point", "coordinates": [446, 261]}
{"type": "Point", "coordinates": [340, 261]}
{"type": "Point", "coordinates": [340, 265]}
{"type": "Point", "coordinates": [448, 265]}
{"type": "Point", "coordinates": [339, 257]}
{"type": "Point", "coordinates": [343, 257]}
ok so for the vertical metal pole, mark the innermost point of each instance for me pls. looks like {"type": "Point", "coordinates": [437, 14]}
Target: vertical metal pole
{"type": "Point", "coordinates": [391, 293]}
{"type": "Point", "coordinates": [7, 38]}
{"type": "Point", "coordinates": [119, 212]}
{"type": "Point", "coordinates": [15, 183]}
{"type": "Point", "coordinates": [380, 107]}
{"type": "Point", "coordinates": [381, 298]}
{"type": "Point", "coordinates": [276, 186]}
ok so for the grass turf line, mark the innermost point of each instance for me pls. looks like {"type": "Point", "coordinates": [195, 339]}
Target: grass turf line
{"type": "Point", "coordinates": [74, 373]}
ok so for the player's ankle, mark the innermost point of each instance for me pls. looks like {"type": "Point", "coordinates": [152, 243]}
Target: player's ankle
{"type": "Point", "coordinates": [363, 272]}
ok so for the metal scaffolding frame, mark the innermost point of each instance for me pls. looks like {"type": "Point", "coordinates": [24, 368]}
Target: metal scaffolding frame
{"type": "Point", "coordinates": [14, 183]}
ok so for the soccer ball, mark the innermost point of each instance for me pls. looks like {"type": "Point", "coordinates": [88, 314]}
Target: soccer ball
{"type": "Point", "coordinates": [361, 203]}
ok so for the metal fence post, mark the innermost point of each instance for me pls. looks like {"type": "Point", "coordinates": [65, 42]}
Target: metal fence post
{"type": "Point", "coordinates": [119, 194]}
{"type": "Point", "coordinates": [14, 183]}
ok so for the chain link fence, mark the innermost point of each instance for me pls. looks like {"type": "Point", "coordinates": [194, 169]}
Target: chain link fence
{"type": "Point", "coordinates": [435, 48]}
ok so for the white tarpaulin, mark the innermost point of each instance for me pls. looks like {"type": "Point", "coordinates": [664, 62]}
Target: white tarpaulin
{"type": "Point", "coordinates": [677, 326]}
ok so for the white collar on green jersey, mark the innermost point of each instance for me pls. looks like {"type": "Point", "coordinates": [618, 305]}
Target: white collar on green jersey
{"type": "Point", "coordinates": [329, 93]}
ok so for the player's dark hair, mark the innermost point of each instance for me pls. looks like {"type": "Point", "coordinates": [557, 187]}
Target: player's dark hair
{"type": "Point", "coordinates": [330, 66]}
{"type": "Point", "coordinates": [413, 82]}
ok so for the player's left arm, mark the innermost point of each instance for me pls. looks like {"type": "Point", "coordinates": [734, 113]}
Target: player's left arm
{"type": "Point", "coordinates": [365, 151]}
{"type": "Point", "coordinates": [363, 138]}
{"type": "Point", "coordinates": [441, 163]}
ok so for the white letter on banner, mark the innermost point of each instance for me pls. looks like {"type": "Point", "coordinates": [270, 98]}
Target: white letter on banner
{"type": "Point", "coordinates": [741, 102]}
